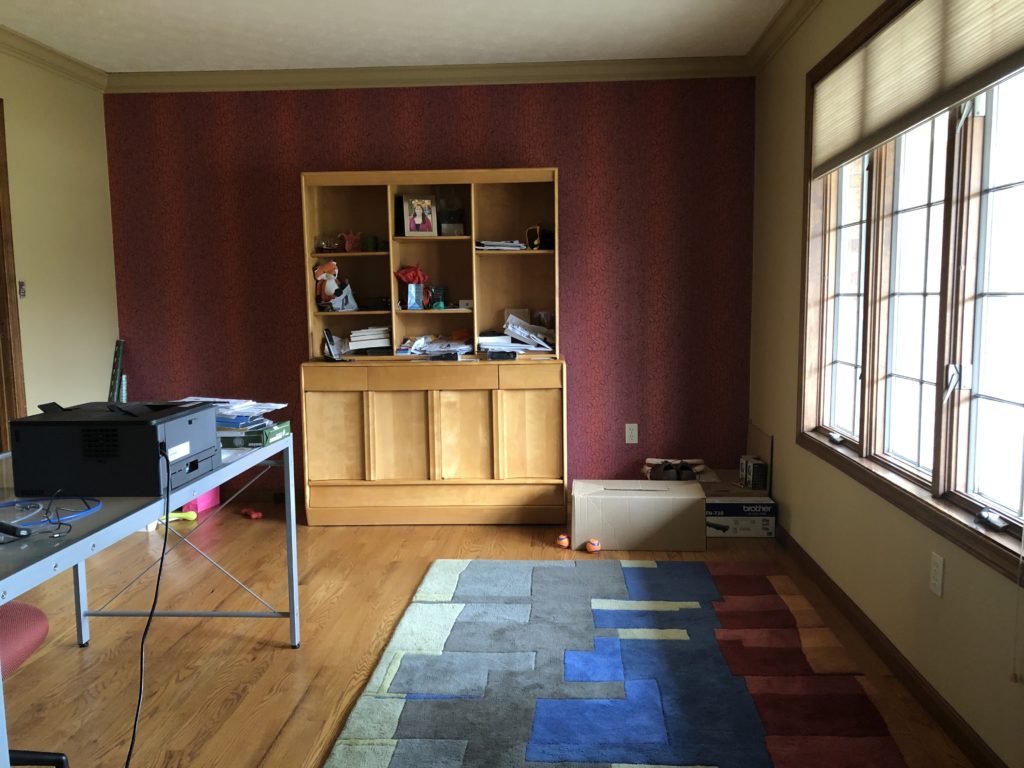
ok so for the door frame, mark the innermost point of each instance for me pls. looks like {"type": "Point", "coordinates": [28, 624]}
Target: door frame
{"type": "Point", "coordinates": [12, 372]}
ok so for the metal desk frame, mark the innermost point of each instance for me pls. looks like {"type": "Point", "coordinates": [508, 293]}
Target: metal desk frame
{"type": "Point", "coordinates": [78, 551]}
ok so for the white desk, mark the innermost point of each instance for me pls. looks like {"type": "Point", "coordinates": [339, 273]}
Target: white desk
{"type": "Point", "coordinates": [27, 564]}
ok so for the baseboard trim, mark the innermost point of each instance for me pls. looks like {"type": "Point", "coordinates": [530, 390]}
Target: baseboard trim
{"type": "Point", "coordinates": [958, 730]}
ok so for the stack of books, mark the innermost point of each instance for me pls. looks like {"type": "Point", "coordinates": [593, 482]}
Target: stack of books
{"type": "Point", "coordinates": [244, 423]}
{"type": "Point", "coordinates": [249, 436]}
{"type": "Point", "coordinates": [368, 338]}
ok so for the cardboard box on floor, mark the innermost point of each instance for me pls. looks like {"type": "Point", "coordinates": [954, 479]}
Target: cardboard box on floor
{"type": "Point", "coordinates": [638, 514]}
{"type": "Point", "coordinates": [745, 517]}
{"type": "Point", "coordinates": [735, 511]}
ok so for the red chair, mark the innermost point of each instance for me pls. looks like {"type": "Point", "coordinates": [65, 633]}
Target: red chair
{"type": "Point", "coordinates": [23, 628]}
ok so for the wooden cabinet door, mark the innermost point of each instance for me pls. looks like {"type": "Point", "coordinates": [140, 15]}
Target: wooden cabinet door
{"type": "Point", "coordinates": [531, 433]}
{"type": "Point", "coordinates": [465, 432]}
{"type": "Point", "coordinates": [334, 436]}
{"type": "Point", "coordinates": [400, 436]}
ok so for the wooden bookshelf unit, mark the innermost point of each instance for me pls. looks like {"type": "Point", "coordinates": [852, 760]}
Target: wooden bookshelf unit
{"type": "Point", "coordinates": [394, 439]}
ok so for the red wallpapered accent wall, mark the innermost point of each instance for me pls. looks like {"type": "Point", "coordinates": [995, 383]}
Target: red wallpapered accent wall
{"type": "Point", "coordinates": [655, 210]}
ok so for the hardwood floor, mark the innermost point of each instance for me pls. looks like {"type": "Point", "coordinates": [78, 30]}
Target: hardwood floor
{"type": "Point", "coordinates": [232, 692]}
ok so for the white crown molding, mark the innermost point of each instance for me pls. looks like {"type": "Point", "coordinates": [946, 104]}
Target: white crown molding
{"type": "Point", "coordinates": [786, 22]}
{"type": "Point", "coordinates": [29, 50]}
{"type": "Point", "coordinates": [400, 77]}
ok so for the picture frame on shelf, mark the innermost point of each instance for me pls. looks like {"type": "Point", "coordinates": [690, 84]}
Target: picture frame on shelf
{"type": "Point", "coordinates": [420, 215]}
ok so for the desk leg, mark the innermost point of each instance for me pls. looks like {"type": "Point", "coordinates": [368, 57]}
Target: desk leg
{"type": "Point", "coordinates": [290, 546]}
{"type": "Point", "coordinates": [81, 604]}
{"type": "Point", "coordinates": [5, 759]}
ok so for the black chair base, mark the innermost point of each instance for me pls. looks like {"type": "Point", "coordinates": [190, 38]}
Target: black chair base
{"type": "Point", "coordinates": [21, 757]}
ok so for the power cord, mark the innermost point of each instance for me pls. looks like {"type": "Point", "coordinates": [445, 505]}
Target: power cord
{"type": "Point", "coordinates": [152, 609]}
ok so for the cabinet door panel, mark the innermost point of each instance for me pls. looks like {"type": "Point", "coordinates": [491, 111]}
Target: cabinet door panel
{"type": "Point", "coordinates": [401, 447]}
{"type": "Point", "coordinates": [532, 432]}
{"type": "Point", "coordinates": [464, 424]}
{"type": "Point", "coordinates": [334, 436]}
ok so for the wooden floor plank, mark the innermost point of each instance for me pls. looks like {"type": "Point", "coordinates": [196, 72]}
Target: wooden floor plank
{"type": "Point", "coordinates": [232, 692]}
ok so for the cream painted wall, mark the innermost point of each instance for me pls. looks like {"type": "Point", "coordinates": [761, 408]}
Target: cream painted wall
{"type": "Point", "coordinates": [60, 223]}
{"type": "Point", "coordinates": [962, 642]}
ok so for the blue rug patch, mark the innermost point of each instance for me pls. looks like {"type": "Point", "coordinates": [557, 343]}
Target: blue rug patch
{"type": "Point", "coordinates": [633, 720]}
{"type": "Point", "coordinates": [603, 664]}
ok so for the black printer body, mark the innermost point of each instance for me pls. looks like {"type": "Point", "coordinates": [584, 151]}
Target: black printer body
{"type": "Point", "coordinates": [113, 449]}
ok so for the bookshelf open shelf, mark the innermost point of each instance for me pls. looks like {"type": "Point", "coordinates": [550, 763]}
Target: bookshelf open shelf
{"type": "Point", "coordinates": [401, 439]}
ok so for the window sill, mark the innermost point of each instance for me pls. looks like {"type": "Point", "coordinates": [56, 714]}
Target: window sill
{"type": "Point", "coordinates": [1000, 551]}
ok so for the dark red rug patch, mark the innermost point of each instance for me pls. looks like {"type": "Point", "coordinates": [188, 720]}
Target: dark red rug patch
{"type": "Point", "coordinates": [834, 752]}
{"type": "Point", "coordinates": [810, 720]}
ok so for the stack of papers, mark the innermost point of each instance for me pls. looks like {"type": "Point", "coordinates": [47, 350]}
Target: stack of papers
{"type": "Point", "coordinates": [246, 419]}
{"type": "Point", "coordinates": [500, 245]}
{"type": "Point", "coordinates": [526, 337]}
{"type": "Point", "coordinates": [433, 345]}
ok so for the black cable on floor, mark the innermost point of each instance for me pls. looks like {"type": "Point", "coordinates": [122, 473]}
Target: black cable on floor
{"type": "Point", "coordinates": [152, 610]}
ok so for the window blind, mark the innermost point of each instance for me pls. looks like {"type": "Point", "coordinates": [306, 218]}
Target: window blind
{"type": "Point", "coordinates": [934, 54]}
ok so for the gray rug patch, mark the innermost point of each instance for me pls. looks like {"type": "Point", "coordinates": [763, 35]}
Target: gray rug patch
{"type": "Point", "coordinates": [506, 720]}
{"type": "Point", "coordinates": [456, 674]}
{"type": "Point", "coordinates": [418, 753]}
{"type": "Point", "coordinates": [501, 580]}
{"type": "Point", "coordinates": [494, 613]}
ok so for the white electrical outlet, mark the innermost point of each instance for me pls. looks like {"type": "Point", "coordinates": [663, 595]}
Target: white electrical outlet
{"type": "Point", "coordinates": [632, 434]}
{"type": "Point", "coordinates": [936, 573]}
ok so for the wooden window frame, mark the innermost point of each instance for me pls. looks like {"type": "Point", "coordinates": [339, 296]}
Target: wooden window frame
{"type": "Point", "coordinates": [12, 375]}
{"type": "Point", "coordinates": [933, 501]}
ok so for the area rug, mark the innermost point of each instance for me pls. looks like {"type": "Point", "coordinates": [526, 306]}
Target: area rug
{"type": "Point", "coordinates": [613, 663]}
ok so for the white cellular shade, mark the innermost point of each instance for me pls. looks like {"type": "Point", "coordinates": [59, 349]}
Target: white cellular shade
{"type": "Point", "coordinates": [931, 56]}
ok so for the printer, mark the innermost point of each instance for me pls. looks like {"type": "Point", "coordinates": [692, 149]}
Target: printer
{"type": "Point", "coordinates": [113, 449]}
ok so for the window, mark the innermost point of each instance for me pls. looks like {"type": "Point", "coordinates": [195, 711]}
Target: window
{"type": "Point", "coordinates": [994, 416]}
{"type": "Point", "coordinates": [844, 302]}
{"type": "Point", "coordinates": [912, 295]}
{"type": "Point", "coordinates": [915, 306]}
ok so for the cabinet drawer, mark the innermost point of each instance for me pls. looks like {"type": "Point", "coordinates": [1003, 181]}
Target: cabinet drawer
{"type": "Point", "coordinates": [535, 376]}
{"type": "Point", "coordinates": [342, 378]}
{"type": "Point", "coordinates": [436, 494]}
{"type": "Point", "coordinates": [426, 376]}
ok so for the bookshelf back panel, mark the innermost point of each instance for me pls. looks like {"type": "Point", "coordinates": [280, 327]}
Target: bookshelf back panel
{"type": "Point", "coordinates": [448, 263]}
{"type": "Point", "coordinates": [522, 279]}
{"type": "Point", "coordinates": [505, 211]}
{"type": "Point", "coordinates": [413, 324]}
{"type": "Point", "coordinates": [350, 209]}
{"type": "Point", "coordinates": [368, 276]}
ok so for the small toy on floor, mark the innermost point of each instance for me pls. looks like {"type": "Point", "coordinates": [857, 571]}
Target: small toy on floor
{"type": "Point", "coordinates": [562, 541]}
{"type": "Point", "coordinates": [252, 514]}
{"type": "Point", "coordinates": [593, 546]}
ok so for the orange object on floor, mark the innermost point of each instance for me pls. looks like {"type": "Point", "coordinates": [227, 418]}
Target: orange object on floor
{"type": "Point", "coordinates": [562, 541]}
{"type": "Point", "coordinates": [593, 545]}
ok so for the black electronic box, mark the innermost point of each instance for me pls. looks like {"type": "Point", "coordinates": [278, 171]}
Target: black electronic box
{"type": "Point", "coordinates": [113, 449]}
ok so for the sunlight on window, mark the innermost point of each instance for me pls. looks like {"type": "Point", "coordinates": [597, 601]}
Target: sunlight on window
{"type": "Point", "coordinates": [996, 462]}
{"type": "Point", "coordinates": [913, 297]}
{"type": "Point", "coordinates": [846, 302]}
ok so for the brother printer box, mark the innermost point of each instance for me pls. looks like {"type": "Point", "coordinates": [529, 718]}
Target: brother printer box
{"type": "Point", "coordinates": [113, 449]}
{"type": "Point", "coordinates": [740, 516]}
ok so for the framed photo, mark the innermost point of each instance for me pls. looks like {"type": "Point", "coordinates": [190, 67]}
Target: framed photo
{"type": "Point", "coordinates": [420, 215]}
